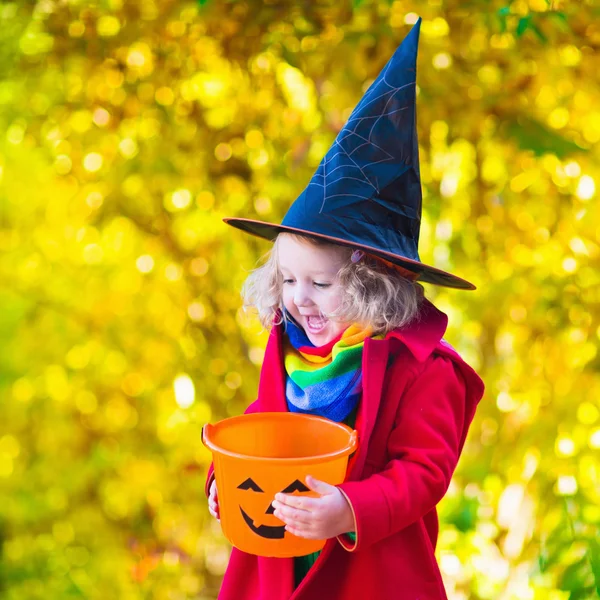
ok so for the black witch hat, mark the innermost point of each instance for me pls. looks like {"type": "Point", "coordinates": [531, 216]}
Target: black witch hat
{"type": "Point", "coordinates": [366, 193]}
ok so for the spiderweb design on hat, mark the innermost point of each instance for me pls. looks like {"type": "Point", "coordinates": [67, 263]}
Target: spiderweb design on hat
{"type": "Point", "coordinates": [347, 173]}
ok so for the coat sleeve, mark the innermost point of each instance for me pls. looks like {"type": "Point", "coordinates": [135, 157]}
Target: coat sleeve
{"type": "Point", "coordinates": [211, 469]}
{"type": "Point", "coordinates": [423, 450]}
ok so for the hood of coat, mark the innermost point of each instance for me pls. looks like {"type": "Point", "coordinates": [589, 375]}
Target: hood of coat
{"type": "Point", "coordinates": [423, 335]}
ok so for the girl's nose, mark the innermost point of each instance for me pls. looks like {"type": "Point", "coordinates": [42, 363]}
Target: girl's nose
{"type": "Point", "coordinates": [301, 296]}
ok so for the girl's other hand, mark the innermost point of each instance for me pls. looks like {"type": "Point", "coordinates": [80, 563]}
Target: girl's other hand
{"type": "Point", "coordinates": [319, 518]}
{"type": "Point", "coordinates": [213, 501]}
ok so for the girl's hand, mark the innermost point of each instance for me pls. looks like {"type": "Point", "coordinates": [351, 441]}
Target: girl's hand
{"type": "Point", "coordinates": [213, 501]}
{"type": "Point", "coordinates": [315, 518]}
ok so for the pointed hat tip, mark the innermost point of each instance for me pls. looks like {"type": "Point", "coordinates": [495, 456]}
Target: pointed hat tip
{"type": "Point", "coordinates": [415, 29]}
{"type": "Point", "coordinates": [406, 52]}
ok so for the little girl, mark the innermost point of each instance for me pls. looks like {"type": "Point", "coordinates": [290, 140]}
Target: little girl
{"type": "Point", "coordinates": [353, 339]}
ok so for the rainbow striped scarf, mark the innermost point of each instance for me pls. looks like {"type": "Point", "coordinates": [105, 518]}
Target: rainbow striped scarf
{"type": "Point", "coordinates": [325, 380]}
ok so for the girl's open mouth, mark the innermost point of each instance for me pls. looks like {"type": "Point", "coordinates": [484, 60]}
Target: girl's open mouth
{"type": "Point", "coordinates": [316, 324]}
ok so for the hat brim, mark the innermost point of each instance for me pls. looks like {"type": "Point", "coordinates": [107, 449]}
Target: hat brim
{"type": "Point", "coordinates": [427, 274]}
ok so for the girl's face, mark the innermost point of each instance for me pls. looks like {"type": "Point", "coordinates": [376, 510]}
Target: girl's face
{"type": "Point", "coordinates": [310, 286]}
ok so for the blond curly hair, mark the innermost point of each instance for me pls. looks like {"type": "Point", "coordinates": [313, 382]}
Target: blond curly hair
{"type": "Point", "coordinates": [374, 294]}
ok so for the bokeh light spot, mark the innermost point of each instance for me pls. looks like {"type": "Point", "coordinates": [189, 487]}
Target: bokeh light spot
{"type": "Point", "coordinates": [572, 169]}
{"type": "Point", "coordinates": [586, 188]}
{"type": "Point", "coordinates": [205, 200]}
{"type": "Point", "coordinates": [133, 384]}
{"type": "Point", "coordinates": [199, 267]}
{"type": "Point", "coordinates": [223, 152]}
{"type": "Point", "coordinates": [442, 60]}
{"type": "Point", "coordinates": [558, 118]}
{"type": "Point", "coordinates": [262, 204]}
{"type": "Point", "coordinates": [133, 185]}
{"type": "Point", "coordinates": [196, 311]}
{"type": "Point", "coordinates": [94, 199]}
{"type": "Point", "coordinates": [505, 402]}
{"type": "Point", "coordinates": [63, 164]}
{"type": "Point", "coordinates": [437, 27]}
{"type": "Point", "coordinates": [566, 485]}
{"type": "Point", "coordinates": [181, 198]}
{"type": "Point", "coordinates": [254, 138]}
{"type": "Point", "coordinates": [184, 390]}
{"type": "Point", "coordinates": [570, 55]}
{"type": "Point", "coordinates": [569, 265]}
{"type": "Point", "coordinates": [136, 58]}
{"type": "Point", "coordinates": [93, 162]}
{"type": "Point", "coordinates": [587, 413]}
{"type": "Point", "coordinates": [15, 133]}
{"type": "Point", "coordinates": [565, 446]}
{"type": "Point", "coordinates": [145, 263]}
{"type": "Point", "coordinates": [76, 29]}
{"type": "Point", "coordinates": [164, 96]}
{"type": "Point", "coordinates": [128, 147]}
{"type": "Point", "coordinates": [101, 117]}
{"type": "Point", "coordinates": [108, 26]}
{"type": "Point", "coordinates": [450, 564]}
{"type": "Point", "coordinates": [173, 272]}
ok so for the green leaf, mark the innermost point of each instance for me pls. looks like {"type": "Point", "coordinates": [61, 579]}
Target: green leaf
{"type": "Point", "coordinates": [581, 593]}
{"type": "Point", "coordinates": [561, 19]}
{"type": "Point", "coordinates": [291, 58]}
{"type": "Point", "coordinates": [524, 23]}
{"type": "Point", "coordinates": [594, 558]}
{"type": "Point", "coordinates": [502, 22]}
{"type": "Point", "coordinates": [574, 576]}
{"type": "Point", "coordinates": [540, 34]}
{"type": "Point", "coordinates": [535, 136]}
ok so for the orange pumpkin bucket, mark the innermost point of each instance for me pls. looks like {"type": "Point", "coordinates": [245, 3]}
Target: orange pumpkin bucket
{"type": "Point", "coordinates": [257, 455]}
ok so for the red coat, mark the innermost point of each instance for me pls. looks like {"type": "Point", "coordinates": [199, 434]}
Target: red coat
{"type": "Point", "coordinates": [412, 423]}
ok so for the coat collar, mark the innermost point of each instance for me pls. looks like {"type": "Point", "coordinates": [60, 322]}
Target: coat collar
{"type": "Point", "coordinates": [423, 335]}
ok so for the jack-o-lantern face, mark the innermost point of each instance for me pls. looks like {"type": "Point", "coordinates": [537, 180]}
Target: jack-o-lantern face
{"type": "Point", "coordinates": [273, 532]}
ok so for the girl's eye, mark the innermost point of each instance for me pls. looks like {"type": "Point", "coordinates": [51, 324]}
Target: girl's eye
{"type": "Point", "coordinates": [288, 281]}
{"type": "Point", "coordinates": [321, 285]}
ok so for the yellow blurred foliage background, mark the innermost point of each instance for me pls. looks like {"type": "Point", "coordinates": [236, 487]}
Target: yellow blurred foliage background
{"type": "Point", "coordinates": [129, 128]}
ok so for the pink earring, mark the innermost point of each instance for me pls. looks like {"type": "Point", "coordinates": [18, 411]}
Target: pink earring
{"type": "Point", "coordinates": [357, 255]}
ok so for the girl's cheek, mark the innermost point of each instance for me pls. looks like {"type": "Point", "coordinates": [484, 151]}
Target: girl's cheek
{"type": "Point", "coordinates": [287, 299]}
